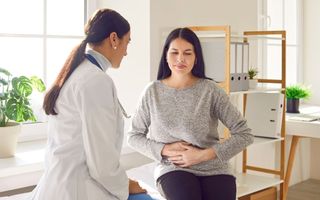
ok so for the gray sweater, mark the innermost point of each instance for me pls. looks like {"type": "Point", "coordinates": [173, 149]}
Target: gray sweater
{"type": "Point", "coordinates": [165, 115]}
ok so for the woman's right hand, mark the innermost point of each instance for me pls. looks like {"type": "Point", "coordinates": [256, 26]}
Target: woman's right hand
{"type": "Point", "coordinates": [173, 149]}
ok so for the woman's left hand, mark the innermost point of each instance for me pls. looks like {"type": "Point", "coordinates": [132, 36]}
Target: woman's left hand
{"type": "Point", "coordinates": [192, 156]}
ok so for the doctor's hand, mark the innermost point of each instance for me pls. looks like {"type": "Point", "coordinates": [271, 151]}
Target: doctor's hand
{"type": "Point", "coordinates": [135, 188]}
{"type": "Point", "coordinates": [174, 149]}
{"type": "Point", "coordinates": [192, 156]}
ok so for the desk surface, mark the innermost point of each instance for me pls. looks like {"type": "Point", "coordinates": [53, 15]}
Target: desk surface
{"type": "Point", "coordinates": [302, 128]}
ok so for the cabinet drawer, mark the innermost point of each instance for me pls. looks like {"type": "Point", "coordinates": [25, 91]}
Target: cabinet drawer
{"type": "Point", "coordinates": [267, 194]}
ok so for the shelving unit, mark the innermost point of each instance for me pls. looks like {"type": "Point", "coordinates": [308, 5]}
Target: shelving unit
{"type": "Point", "coordinates": [282, 82]}
{"type": "Point", "coordinates": [247, 183]}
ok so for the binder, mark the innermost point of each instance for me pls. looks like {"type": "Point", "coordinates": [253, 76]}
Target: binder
{"type": "Point", "coordinates": [239, 56]}
{"type": "Point", "coordinates": [264, 114]}
{"type": "Point", "coordinates": [214, 59]}
{"type": "Point", "coordinates": [233, 74]}
{"type": "Point", "coordinates": [245, 67]}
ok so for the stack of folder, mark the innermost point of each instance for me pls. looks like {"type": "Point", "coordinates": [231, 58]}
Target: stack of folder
{"type": "Point", "coordinates": [214, 58]}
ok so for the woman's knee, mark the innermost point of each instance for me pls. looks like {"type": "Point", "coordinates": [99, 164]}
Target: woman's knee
{"type": "Point", "coordinates": [218, 187]}
{"type": "Point", "coordinates": [179, 185]}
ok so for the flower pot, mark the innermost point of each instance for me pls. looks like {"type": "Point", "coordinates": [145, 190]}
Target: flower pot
{"type": "Point", "coordinates": [293, 106]}
{"type": "Point", "coordinates": [253, 83]}
{"type": "Point", "coordinates": [8, 142]}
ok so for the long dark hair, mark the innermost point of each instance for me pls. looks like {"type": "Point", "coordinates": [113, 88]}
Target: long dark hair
{"type": "Point", "coordinates": [98, 28]}
{"type": "Point", "coordinates": [188, 35]}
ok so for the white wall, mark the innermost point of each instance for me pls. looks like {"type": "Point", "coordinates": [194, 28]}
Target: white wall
{"type": "Point", "coordinates": [133, 74]}
{"type": "Point", "coordinates": [168, 14]}
{"type": "Point", "coordinates": [311, 67]}
{"type": "Point", "coordinates": [311, 47]}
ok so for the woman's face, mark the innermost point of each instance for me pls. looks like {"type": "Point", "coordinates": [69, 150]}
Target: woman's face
{"type": "Point", "coordinates": [181, 57]}
{"type": "Point", "coordinates": [121, 49]}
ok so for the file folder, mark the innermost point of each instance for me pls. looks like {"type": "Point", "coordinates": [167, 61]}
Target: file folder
{"type": "Point", "coordinates": [245, 67]}
{"type": "Point", "coordinates": [233, 66]}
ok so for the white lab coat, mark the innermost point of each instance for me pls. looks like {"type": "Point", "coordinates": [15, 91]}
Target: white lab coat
{"type": "Point", "coordinates": [85, 139]}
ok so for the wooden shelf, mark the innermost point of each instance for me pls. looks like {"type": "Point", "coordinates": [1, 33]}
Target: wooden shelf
{"type": "Point", "coordinates": [248, 183]}
{"type": "Point", "coordinates": [262, 140]}
{"type": "Point", "coordinates": [257, 90]}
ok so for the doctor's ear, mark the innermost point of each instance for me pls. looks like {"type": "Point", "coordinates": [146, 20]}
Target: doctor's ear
{"type": "Point", "coordinates": [114, 40]}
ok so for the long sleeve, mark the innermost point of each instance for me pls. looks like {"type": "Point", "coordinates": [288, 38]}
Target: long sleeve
{"type": "Point", "coordinates": [137, 135]}
{"type": "Point", "coordinates": [229, 115]}
{"type": "Point", "coordinates": [97, 107]}
{"type": "Point", "coordinates": [166, 115]}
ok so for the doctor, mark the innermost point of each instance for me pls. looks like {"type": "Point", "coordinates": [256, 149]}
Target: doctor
{"type": "Point", "coordinates": [85, 128]}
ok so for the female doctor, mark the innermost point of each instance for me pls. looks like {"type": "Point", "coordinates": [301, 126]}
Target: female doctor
{"type": "Point", "coordinates": [85, 128]}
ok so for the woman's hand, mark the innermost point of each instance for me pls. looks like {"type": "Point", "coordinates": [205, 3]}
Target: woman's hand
{"type": "Point", "coordinates": [135, 188]}
{"type": "Point", "coordinates": [191, 156]}
{"type": "Point", "coordinates": [174, 149]}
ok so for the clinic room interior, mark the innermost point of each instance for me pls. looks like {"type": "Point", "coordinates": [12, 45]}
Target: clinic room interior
{"type": "Point", "coordinates": [277, 38]}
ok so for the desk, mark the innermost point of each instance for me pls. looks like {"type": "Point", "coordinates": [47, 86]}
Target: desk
{"type": "Point", "coordinates": [299, 129]}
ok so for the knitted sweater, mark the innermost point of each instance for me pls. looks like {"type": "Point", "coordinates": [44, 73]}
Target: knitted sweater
{"type": "Point", "coordinates": [166, 115]}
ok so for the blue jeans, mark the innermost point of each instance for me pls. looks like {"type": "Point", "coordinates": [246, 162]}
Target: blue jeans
{"type": "Point", "coordinates": [139, 197]}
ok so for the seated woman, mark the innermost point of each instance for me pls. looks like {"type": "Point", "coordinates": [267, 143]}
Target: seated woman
{"type": "Point", "coordinates": [176, 124]}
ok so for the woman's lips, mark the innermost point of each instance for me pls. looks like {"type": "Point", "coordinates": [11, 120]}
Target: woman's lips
{"type": "Point", "coordinates": [180, 67]}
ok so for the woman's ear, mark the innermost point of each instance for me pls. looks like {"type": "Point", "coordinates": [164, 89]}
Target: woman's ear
{"type": "Point", "coordinates": [114, 40]}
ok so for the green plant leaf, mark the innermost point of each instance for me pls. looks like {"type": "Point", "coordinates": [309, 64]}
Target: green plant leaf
{"type": "Point", "coordinates": [11, 110]}
{"type": "Point", "coordinates": [297, 92]}
{"type": "Point", "coordinates": [38, 83]}
{"type": "Point", "coordinates": [28, 114]}
{"type": "Point", "coordinates": [5, 72]}
{"type": "Point", "coordinates": [252, 72]}
{"type": "Point", "coordinates": [3, 95]}
{"type": "Point", "coordinates": [14, 102]}
{"type": "Point", "coordinates": [22, 85]}
{"type": "Point", "coordinates": [3, 81]}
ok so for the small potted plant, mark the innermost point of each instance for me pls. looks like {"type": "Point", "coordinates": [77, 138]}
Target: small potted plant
{"type": "Point", "coordinates": [15, 107]}
{"type": "Point", "coordinates": [293, 94]}
{"type": "Point", "coordinates": [253, 82]}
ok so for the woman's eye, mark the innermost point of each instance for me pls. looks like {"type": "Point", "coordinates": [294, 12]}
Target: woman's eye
{"type": "Point", "coordinates": [173, 52]}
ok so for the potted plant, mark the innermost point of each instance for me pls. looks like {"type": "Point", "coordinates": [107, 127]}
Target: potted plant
{"type": "Point", "coordinates": [293, 94]}
{"type": "Point", "coordinates": [253, 82]}
{"type": "Point", "coordinates": [15, 107]}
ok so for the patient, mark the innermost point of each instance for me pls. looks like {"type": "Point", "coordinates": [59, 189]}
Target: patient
{"type": "Point", "coordinates": [176, 124]}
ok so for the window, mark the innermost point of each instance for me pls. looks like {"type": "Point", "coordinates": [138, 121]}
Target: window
{"type": "Point", "coordinates": [282, 15]}
{"type": "Point", "coordinates": [36, 37]}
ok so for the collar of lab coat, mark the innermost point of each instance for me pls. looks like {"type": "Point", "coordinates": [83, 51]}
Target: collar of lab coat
{"type": "Point", "coordinates": [103, 61]}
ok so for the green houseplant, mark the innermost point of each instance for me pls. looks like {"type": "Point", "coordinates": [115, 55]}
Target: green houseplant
{"type": "Point", "coordinates": [253, 72]}
{"type": "Point", "coordinates": [293, 94]}
{"type": "Point", "coordinates": [15, 107]}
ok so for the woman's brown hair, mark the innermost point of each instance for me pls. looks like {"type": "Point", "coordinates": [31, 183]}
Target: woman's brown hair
{"type": "Point", "coordinates": [98, 28]}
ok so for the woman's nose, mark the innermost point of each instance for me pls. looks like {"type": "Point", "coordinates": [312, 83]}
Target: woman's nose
{"type": "Point", "coordinates": [180, 58]}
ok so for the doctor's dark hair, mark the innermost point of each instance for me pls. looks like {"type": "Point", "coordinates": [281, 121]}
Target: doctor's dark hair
{"type": "Point", "coordinates": [188, 35]}
{"type": "Point", "coordinates": [98, 28]}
